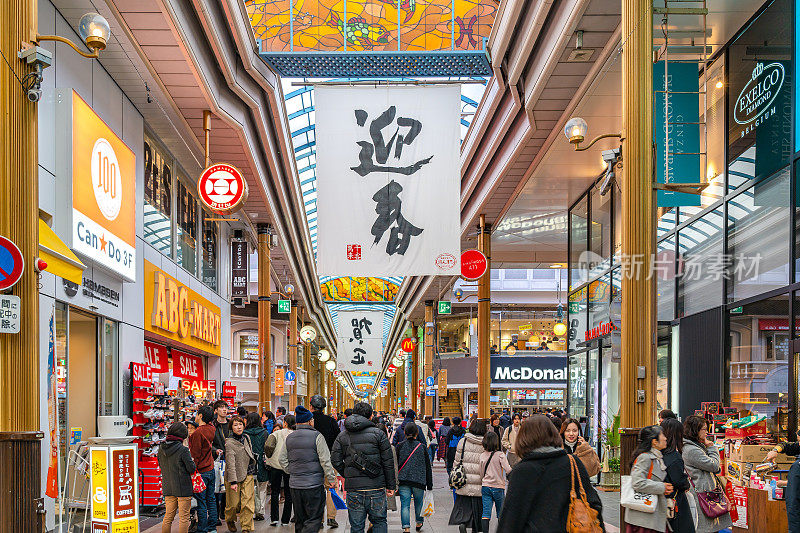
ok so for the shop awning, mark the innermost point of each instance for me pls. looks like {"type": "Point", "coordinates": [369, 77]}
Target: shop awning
{"type": "Point", "coordinates": [60, 260]}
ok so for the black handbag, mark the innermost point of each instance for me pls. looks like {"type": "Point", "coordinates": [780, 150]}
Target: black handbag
{"type": "Point", "coordinates": [458, 475]}
{"type": "Point", "coordinates": [361, 463]}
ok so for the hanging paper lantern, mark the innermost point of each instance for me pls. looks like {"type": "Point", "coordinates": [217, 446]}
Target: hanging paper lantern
{"type": "Point", "coordinates": [330, 365]}
{"type": "Point", "coordinates": [560, 328]}
{"type": "Point", "coordinates": [324, 355]}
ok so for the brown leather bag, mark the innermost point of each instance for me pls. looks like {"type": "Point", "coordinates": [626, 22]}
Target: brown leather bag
{"type": "Point", "coordinates": [581, 518]}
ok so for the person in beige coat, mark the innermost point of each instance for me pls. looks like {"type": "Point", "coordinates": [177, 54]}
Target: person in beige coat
{"type": "Point", "coordinates": [468, 507]}
{"type": "Point", "coordinates": [577, 446]}
{"type": "Point", "coordinates": [509, 437]}
{"type": "Point", "coordinates": [240, 471]}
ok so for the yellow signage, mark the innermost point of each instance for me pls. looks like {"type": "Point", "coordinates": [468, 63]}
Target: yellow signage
{"type": "Point", "coordinates": [176, 312]}
{"type": "Point", "coordinates": [99, 480]}
{"type": "Point", "coordinates": [103, 192]}
{"type": "Point", "coordinates": [126, 526]}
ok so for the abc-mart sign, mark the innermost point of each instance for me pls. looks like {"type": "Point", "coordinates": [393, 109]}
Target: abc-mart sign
{"type": "Point", "coordinates": [754, 104]}
{"type": "Point", "coordinates": [95, 189]}
{"type": "Point", "coordinates": [222, 188]}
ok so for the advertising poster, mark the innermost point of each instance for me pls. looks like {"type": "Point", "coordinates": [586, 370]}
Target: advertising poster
{"type": "Point", "coordinates": [99, 483]}
{"type": "Point", "coordinates": [51, 489]}
{"type": "Point", "coordinates": [740, 500]}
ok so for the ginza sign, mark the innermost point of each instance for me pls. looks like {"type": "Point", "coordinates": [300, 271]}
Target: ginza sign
{"type": "Point", "coordinates": [388, 180]}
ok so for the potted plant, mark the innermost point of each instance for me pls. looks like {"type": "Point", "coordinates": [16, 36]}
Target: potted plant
{"type": "Point", "coordinates": [611, 463]}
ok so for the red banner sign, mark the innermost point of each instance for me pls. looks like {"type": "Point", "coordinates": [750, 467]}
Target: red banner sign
{"type": "Point", "coordinates": [187, 366]}
{"type": "Point", "coordinates": [473, 264]}
{"type": "Point", "coordinates": [142, 375]}
{"type": "Point", "coordinates": [123, 471]}
{"type": "Point", "coordinates": [156, 357]}
{"type": "Point", "coordinates": [199, 385]}
{"type": "Point", "coordinates": [407, 345]}
{"type": "Point", "coordinates": [228, 390]}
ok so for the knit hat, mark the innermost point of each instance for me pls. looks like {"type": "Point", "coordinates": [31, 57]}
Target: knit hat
{"type": "Point", "coordinates": [302, 415]}
{"type": "Point", "coordinates": [178, 430]}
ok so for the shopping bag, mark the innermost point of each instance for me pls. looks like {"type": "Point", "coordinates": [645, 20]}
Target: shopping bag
{"type": "Point", "coordinates": [198, 485]}
{"type": "Point", "coordinates": [338, 502]}
{"type": "Point", "coordinates": [638, 501]}
{"type": "Point", "coordinates": [427, 504]}
{"type": "Point", "coordinates": [219, 475]}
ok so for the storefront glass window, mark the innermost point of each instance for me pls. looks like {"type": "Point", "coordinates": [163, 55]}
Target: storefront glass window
{"type": "Point", "coordinates": [662, 376]}
{"type": "Point", "coordinates": [577, 385]}
{"type": "Point", "coordinates": [715, 124]}
{"type": "Point", "coordinates": [577, 318]}
{"type": "Point", "coordinates": [210, 240]}
{"type": "Point", "coordinates": [758, 238]}
{"type": "Point", "coordinates": [665, 279]}
{"type": "Point", "coordinates": [248, 346]}
{"type": "Point", "coordinates": [759, 360]}
{"type": "Point", "coordinates": [578, 243]}
{"type": "Point", "coordinates": [609, 393]}
{"type": "Point", "coordinates": [157, 198]}
{"type": "Point", "coordinates": [108, 375]}
{"type": "Point", "coordinates": [599, 298]}
{"type": "Point", "coordinates": [700, 252]}
{"type": "Point", "coordinates": [797, 222]}
{"type": "Point", "coordinates": [187, 228]}
{"type": "Point", "coordinates": [759, 128]}
{"type": "Point", "coordinates": [590, 433]}
{"type": "Point", "coordinates": [600, 231]}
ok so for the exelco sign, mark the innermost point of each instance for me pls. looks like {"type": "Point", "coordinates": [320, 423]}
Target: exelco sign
{"type": "Point", "coordinates": [514, 370]}
{"type": "Point", "coordinates": [758, 95]}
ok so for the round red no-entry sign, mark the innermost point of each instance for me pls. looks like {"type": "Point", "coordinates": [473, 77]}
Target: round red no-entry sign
{"type": "Point", "coordinates": [222, 188]}
{"type": "Point", "coordinates": [473, 264]}
{"type": "Point", "coordinates": [11, 264]}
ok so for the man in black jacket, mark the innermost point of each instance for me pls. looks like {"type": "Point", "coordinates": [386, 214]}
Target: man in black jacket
{"type": "Point", "coordinates": [363, 456]}
{"type": "Point", "coordinates": [330, 430]}
{"type": "Point", "coordinates": [792, 491]}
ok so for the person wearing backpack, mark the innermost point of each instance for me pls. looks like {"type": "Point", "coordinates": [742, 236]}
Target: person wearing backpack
{"type": "Point", "coordinates": [538, 497]}
{"type": "Point", "coordinates": [414, 476]}
{"type": "Point", "coordinates": [495, 468]}
{"type": "Point", "coordinates": [468, 506]}
{"type": "Point", "coordinates": [453, 437]}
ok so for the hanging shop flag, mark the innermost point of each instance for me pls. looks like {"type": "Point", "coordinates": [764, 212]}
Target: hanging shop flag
{"type": "Point", "coordinates": [360, 345]}
{"type": "Point", "coordinates": [187, 366]}
{"type": "Point", "coordinates": [239, 269]}
{"type": "Point", "coordinates": [280, 380]}
{"type": "Point", "coordinates": [51, 489]}
{"type": "Point", "coordinates": [155, 355]}
{"type": "Point", "coordinates": [677, 132]}
{"type": "Point", "coordinates": [389, 182]}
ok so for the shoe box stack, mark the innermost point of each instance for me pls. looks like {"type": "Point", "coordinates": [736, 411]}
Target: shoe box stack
{"type": "Point", "coordinates": [150, 418]}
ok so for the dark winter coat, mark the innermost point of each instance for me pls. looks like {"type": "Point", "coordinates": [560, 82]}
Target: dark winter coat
{"type": "Point", "coordinates": [221, 434]}
{"type": "Point", "coordinates": [258, 437]}
{"type": "Point", "coordinates": [399, 434]}
{"type": "Point", "coordinates": [682, 522]}
{"type": "Point", "coordinates": [792, 493]}
{"type": "Point", "coordinates": [363, 436]}
{"type": "Point", "coordinates": [457, 432]}
{"type": "Point", "coordinates": [177, 467]}
{"type": "Point", "coordinates": [538, 498]}
{"type": "Point", "coordinates": [417, 470]}
{"type": "Point", "coordinates": [327, 426]}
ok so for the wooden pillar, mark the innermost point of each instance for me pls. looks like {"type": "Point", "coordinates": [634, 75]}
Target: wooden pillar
{"type": "Point", "coordinates": [20, 438]}
{"type": "Point", "coordinates": [293, 352]}
{"type": "Point", "coordinates": [310, 389]}
{"type": "Point", "coordinates": [429, 344]}
{"type": "Point", "coordinates": [264, 317]}
{"type": "Point", "coordinates": [484, 315]}
{"type": "Point", "coordinates": [638, 218]}
{"type": "Point", "coordinates": [414, 392]}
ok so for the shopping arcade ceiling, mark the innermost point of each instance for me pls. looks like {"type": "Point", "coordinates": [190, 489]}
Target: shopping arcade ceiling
{"type": "Point", "coordinates": [437, 38]}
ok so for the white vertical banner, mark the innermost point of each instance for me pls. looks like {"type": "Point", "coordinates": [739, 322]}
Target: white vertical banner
{"type": "Point", "coordinates": [388, 180]}
{"type": "Point", "coordinates": [360, 341]}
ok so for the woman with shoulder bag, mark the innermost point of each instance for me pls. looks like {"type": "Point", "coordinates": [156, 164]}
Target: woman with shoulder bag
{"type": "Point", "coordinates": [509, 437]}
{"type": "Point", "coordinates": [680, 515]}
{"type": "Point", "coordinates": [495, 468]}
{"type": "Point", "coordinates": [414, 476]}
{"type": "Point", "coordinates": [240, 471]}
{"type": "Point", "coordinates": [258, 437]}
{"type": "Point", "coordinates": [177, 466]}
{"type": "Point", "coordinates": [701, 458]}
{"type": "Point", "coordinates": [468, 506]}
{"type": "Point", "coordinates": [648, 475]}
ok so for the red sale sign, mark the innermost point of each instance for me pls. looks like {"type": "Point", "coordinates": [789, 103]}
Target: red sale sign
{"type": "Point", "coordinates": [228, 390]}
{"type": "Point", "coordinates": [187, 366]}
{"type": "Point", "coordinates": [199, 385]}
{"type": "Point", "coordinates": [156, 357]}
{"type": "Point", "coordinates": [141, 374]}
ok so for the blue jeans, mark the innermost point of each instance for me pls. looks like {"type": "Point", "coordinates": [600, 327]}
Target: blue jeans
{"type": "Point", "coordinates": [432, 451]}
{"type": "Point", "coordinates": [406, 491]}
{"type": "Point", "coordinates": [207, 505]}
{"type": "Point", "coordinates": [363, 503]}
{"type": "Point", "coordinates": [489, 495]}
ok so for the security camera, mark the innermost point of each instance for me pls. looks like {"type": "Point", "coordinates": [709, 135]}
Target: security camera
{"type": "Point", "coordinates": [611, 156]}
{"type": "Point", "coordinates": [34, 95]}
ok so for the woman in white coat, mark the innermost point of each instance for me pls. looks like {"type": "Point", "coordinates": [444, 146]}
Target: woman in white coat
{"type": "Point", "coordinates": [468, 507]}
{"type": "Point", "coordinates": [647, 476]}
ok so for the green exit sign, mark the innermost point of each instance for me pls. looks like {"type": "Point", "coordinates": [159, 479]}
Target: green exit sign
{"type": "Point", "coordinates": [445, 308]}
{"type": "Point", "coordinates": [737, 310]}
{"type": "Point", "coordinates": [284, 306]}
